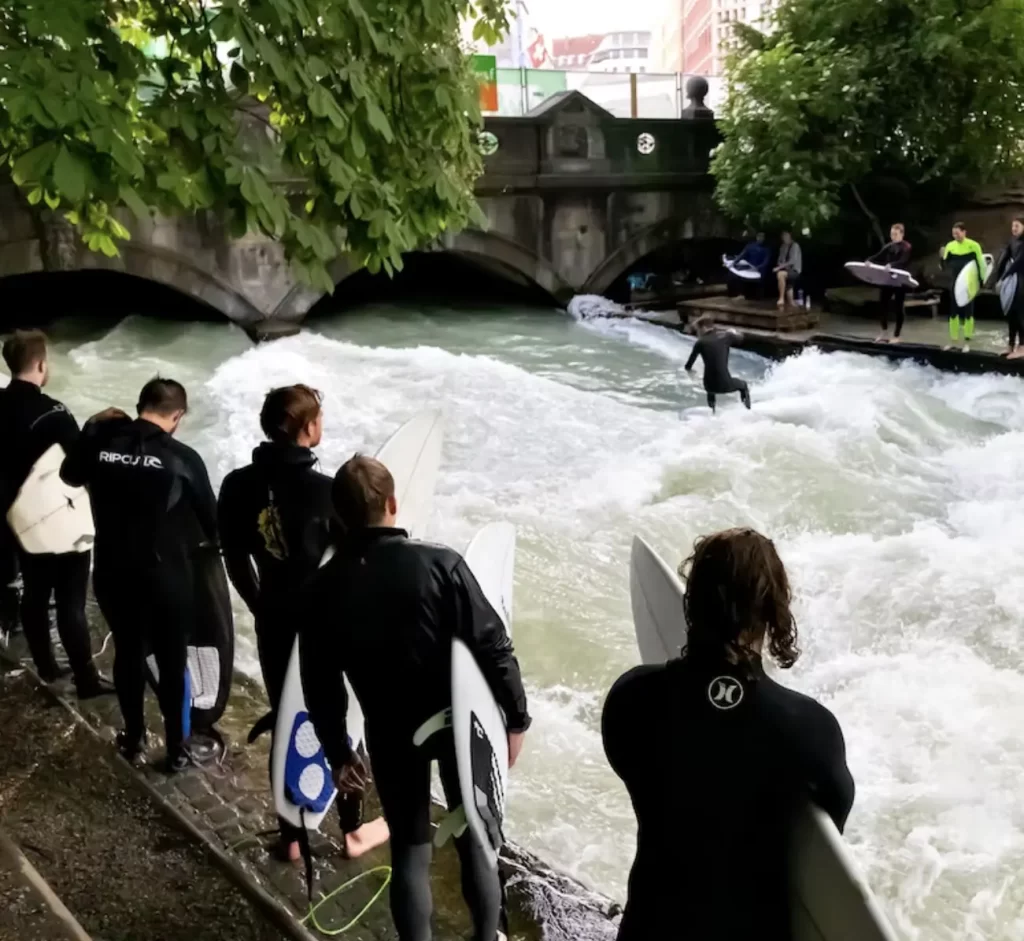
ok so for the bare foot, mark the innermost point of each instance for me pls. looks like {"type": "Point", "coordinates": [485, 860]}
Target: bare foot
{"type": "Point", "coordinates": [896, 340]}
{"type": "Point", "coordinates": [287, 851]}
{"type": "Point", "coordinates": [882, 338]}
{"type": "Point", "coordinates": [780, 304]}
{"type": "Point", "coordinates": [967, 348]}
{"type": "Point", "coordinates": [948, 348]}
{"type": "Point", "coordinates": [369, 836]}
{"type": "Point", "coordinates": [1017, 354]}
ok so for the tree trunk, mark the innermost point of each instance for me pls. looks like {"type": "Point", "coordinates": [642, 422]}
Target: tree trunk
{"type": "Point", "coordinates": [872, 218]}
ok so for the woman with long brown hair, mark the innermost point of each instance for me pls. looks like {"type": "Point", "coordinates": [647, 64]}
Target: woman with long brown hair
{"type": "Point", "coordinates": [717, 757]}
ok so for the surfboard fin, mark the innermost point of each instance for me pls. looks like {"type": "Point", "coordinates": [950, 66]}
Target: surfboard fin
{"type": "Point", "coordinates": [433, 725]}
{"type": "Point", "coordinates": [452, 826]}
{"type": "Point", "coordinates": [263, 724]}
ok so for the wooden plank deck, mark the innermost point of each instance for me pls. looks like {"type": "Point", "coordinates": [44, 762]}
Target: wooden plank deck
{"type": "Point", "coordinates": [739, 312]}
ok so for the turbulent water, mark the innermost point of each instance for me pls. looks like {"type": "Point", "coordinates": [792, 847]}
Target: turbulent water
{"type": "Point", "coordinates": [894, 495]}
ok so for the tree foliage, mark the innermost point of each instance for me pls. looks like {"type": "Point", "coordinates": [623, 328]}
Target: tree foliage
{"type": "Point", "coordinates": [335, 126]}
{"type": "Point", "coordinates": [837, 91]}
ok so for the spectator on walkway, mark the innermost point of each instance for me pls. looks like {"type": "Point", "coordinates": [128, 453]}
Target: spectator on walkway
{"type": "Point", "coordinates": [789, 269]}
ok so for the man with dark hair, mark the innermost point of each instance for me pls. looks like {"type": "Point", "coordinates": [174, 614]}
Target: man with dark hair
{"type": "Point", "coordinates": [30, 424]}
{"type": "Point", "coordinates": [718, 758]}
{"type": "Point", "coordinates": [894, 254]}
{"type": "Point", "coordinates": [956, 256]}
{"type": "Point", "coordinates": [153, 507]}
{"type": "Point", "coordinates": [384, 612]}
{"type": "Point", "coordinates": [713, 348]}
{"type": "Point", "coordinates": [274, 518]}
{"type": "Point", "coordinates": [1011, 265]}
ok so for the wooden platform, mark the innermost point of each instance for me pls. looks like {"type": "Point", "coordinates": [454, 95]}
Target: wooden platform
{"type": "Point", "coordinates": [739, 312]}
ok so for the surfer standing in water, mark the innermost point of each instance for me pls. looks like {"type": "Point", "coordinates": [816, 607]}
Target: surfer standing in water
{"type": "Point", "coordinates": [713, 347]}
{"type": "Point", "coordinates": [896, 254]}
{"type": "Point", "coordinates": [383, 612]}
{"type": "Point", "coordinates": [957, 255]}
{"type": "Point", "coordinates": [718, 758]}
{"type": "Point", "coordinates": [1011, 264]}
{"type": "Point", "coordinates": [274, 519]}
{"type": "Point", "coordinates": [30, 424]}
{"type": "Point", "coordinates": [153, 506]}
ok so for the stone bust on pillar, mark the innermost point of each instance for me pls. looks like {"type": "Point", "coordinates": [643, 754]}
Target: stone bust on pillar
{"type": "Point", "coordinates": [696, 92]}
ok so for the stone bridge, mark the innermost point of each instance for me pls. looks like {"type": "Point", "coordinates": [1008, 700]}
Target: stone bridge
{"type": "Point", "coordinates": [573, 196]}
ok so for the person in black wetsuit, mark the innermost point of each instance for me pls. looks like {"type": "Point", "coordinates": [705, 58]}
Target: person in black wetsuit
{"type": "Point", "coordinates": [274, 518]}
{"type": "Point", "coordinates": [713, 347]}
{"type": "Point", "coordinates": [384, 611]}
{"type": "Point", "coordinates": [30, 424]}
{"type": "Point", "coordinates": [895, 254]}
{"type": "Point", "coordinates": [1011, 262]}
{"type": "Point", "coordinates": [718, 758]}
{"type": "Point", "coordinates": [153, 506]}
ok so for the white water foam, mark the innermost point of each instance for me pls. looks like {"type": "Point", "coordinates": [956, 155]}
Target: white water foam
{"type": "Point", "coordinates": [892, 493]}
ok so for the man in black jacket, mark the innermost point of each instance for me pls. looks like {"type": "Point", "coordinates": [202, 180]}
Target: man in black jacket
{"type": "Point", "coordinates": [895, 254]}
{"type": "Point", "coordinates": [153, 506]}
{"type": "Point", "coordinates": [274, 521]}
{"type": "Point", "coordinates": [1011, 265]}
{"type": "Point", "coordinates": [30, 424]}
{"type": "Point", "coordinates": [713, 348]}
{"type": "Point", "coordinates": [384, 611]}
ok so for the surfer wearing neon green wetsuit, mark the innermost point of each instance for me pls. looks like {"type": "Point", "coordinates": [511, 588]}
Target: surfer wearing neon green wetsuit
{"type": "Point", "coordinates": [956, 256]}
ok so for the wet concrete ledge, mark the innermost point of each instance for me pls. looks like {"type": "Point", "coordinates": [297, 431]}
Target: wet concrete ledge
{"type": "Point", "coordinates": [226, 809]}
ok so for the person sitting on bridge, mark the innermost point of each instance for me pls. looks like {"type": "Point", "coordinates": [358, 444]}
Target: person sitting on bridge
{"type": "Point", "coordinates": [758, 255]}
{"type": "Point", "coordinates": [789, 269]}
{"type": "Point", "coordinates": [713, 347]}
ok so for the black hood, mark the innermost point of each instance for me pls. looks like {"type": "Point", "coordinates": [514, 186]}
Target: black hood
{"type": "Point", "coordinates": [271, 455]}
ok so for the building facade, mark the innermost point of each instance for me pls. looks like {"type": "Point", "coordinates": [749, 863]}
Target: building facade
{"type": "Point", "coordinates": [694, 35]}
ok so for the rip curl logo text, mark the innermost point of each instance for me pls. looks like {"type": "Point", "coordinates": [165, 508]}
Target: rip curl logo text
{"type": "Point", "coordinates": [725, 692]}
{"type": "Point", "coordinates": [130, 460]}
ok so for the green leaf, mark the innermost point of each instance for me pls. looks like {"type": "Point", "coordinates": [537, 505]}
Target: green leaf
{"type": "Point", "coordinates": [52, 201]}
{"type": "Point", "coordinates": [377, 121]}
{"type": "Point", "coordinates": [34, 165]}
{"type": "Point", "coordinates": [358, 144]}
{"type": "Point", "coordinates": [36, 196]}
{"type": "Point", "coordinates": [70, 175]}
{"type": "Point", "coordinates": [126, 158]}
{"type": "Point", "coordinates": [133, 201]}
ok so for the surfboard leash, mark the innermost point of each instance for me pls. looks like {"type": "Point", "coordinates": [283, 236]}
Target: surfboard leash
{"type": "Point", "coordinates": [334, 932]}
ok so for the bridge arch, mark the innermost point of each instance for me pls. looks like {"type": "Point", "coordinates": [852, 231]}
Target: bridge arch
{"type": "Point", "coordinates": [645, 242]}
{"type": "Point", "coordinates": [146, 262]}
{"type": "Point", "coordinates": [489, 250]}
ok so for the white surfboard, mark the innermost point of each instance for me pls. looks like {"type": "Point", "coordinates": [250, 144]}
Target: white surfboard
{"type": "Point", "coordinates": [1007, 293]}
{"type": "Point", "coordinates": [478, 724]}
{"type": "Point", "coordinates": [48, 515]}
{"type": "Point", "coordinates": [880, 275]}
{"type": "Point", "coordinates": [742, 269]}
{"type": "Point", "coordinates": [300, 773]}
{"type": "Point", "coordinates": [968, 283]}
{"type": "Point", "coordinates": [831, 899]}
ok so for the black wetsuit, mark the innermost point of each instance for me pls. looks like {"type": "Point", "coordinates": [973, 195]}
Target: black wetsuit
{"type": "Point", "coordinates": [384, 611]}
{"type": "Point", "coordinates": [717, 765]}
{"type": "Point", "coordinates": [1011, 262]}
{"type": "Point", "coordinates": [713, 348]}
{"type": "Point", "coordinates": [896, 255]}
{"type": "Point", "coordinates": [30, 424]}
{"type": "Point", "coordinates": [153, 506]}
{"type": "Point", "coordinates": [274, 521]}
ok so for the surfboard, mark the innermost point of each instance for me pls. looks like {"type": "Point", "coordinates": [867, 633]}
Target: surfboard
{"type": "Point", "coordinates": [831, 900]}
{"type": "Point", "coordinates": [49, 516]}
{"type": "Point", "coordinates": [477, 722]}
{"type": "Point", "coordinates": [742, 269]}
{"type": "Point", "coordinates": [300, 773]}
{"type": "Point", "coordinates": [1007, 292]}
{"type": "Point", "coordinates": [880, 276]}
{"type": "Point", "coordinates": [967, 284]}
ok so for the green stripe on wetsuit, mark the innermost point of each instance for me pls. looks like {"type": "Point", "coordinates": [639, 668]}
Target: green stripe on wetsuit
{"type": "Point", "coordinates": [955, 257]}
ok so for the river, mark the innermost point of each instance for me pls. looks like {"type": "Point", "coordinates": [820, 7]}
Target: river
{"type": "Point", "coordinates": [894, 496]}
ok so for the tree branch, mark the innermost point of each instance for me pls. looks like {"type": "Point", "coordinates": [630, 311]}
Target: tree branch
{"type": "Point", "coordinates": [872, 218]}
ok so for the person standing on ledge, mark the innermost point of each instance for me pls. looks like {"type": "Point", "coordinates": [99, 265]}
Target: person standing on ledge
{"type": "Point", "coordinates": [957, 255]}
{"type": "Point", "coordinates": [719, 759]}
{"type": "Point", "coordinates": [896, 254]}
{"type": "Point", "coordinates": [1011, 264]}
{"type": "Point", "coordinates": [789, 269]}
{"type": "Point", "coordinates": [153, 506]}
{"type": "Point", "coordinates": [384, 612]}
{"type": "Point", "coordinates": [30, 424]}
{"type": "Point", "coordinates": [713, 348]}
{"type": "Point", "coordinates": [274, 518]}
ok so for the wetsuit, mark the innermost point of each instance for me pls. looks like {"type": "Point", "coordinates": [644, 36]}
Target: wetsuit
{"type": "Point", "coordinates": [717, 764]}
{"type": "Point", "coordinates": [384, 611]}
{"type": "Point", "coordinates": [30, 424]}
{"type": "Point", "coordinates": [274, 522]}
{"type": "Point", "coordinates": [896, 255]}
{"type": "Point", "coordinates": [955, 257]}
{"type": "Point", "coordinates": [1011, 262]}
{"type": "Point", "coordinates": [759, 256]}
{"type": "Point", "coordinates": [713, 348]}
{"type": "Point", "coordinates": [153, 506]}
